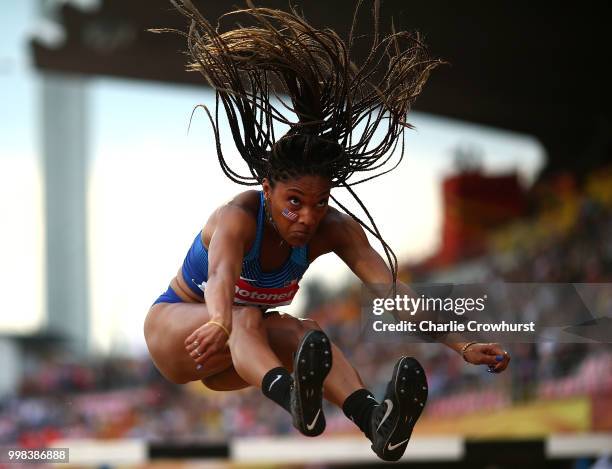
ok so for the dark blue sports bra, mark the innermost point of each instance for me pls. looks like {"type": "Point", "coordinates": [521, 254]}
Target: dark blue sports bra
{"type": "Point", "coordinates": [255, 287]}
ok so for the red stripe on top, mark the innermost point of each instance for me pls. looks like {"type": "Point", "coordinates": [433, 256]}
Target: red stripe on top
{"type": "Point", "coordinates": [248, 294]}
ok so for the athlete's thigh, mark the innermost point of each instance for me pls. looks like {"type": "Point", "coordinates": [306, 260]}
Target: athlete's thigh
{"type": "Point", "coordinates": [284, 334]}
{"type": "Point", "coordinates": [226, 380]}
{"type": "Point", "coordinates": [166, 327]}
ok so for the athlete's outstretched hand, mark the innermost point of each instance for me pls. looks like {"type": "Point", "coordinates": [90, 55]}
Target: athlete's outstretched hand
{"type": "Point", "coordinates": [488, 354]}
{"type": "Point", "coordinates": [204, 342]}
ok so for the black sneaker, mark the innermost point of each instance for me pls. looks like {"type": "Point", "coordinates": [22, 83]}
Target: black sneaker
{"type": "Point", "coordinates": [311, 364]}
{"type": "Point", "coordinates": [394, 419]}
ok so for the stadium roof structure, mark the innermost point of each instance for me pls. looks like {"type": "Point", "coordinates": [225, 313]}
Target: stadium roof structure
{"type": "Point", "coordinates": [531, 67]}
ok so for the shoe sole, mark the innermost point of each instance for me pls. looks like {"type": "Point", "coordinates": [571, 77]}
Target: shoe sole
{"type": "Point", "coordinates": [312, 363]}
{"type": "Point", "coordinates": [410, 393]}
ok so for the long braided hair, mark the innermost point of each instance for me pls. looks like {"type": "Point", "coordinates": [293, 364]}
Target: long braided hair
{"type": "Point", "coordinates": [336, 107]}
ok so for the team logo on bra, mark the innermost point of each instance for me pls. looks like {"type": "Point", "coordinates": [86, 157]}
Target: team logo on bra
{"type": "Point", "coordinates": [250, 294]}
{"type": "Point", "coordinates": [201, 286]}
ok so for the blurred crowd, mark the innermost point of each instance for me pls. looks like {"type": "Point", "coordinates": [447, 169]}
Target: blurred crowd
{"type": "Point", "coordinates": [127, 398]}
{"type": "Point", "coordinates": [568, 240]}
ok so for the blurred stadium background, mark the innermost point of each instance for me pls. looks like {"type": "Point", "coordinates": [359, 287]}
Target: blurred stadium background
{"type": "Point", "coordinates": [508, 177]}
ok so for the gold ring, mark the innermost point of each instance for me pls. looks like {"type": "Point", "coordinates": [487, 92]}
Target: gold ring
{"type": "Point", "coordinates": [196, 343]}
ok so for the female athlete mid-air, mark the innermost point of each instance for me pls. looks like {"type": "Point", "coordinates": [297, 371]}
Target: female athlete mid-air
{"type": "Point", "coordinates": [216, 321]}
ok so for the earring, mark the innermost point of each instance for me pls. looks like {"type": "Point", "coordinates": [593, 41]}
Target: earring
{"type": "Point", "coordinates": [268, 211]}
{"type": "Point", "coordinates": [271, 220]}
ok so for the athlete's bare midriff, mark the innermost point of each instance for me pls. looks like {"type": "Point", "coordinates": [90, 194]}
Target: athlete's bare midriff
{"type": "Point", "coordinates": [180, 287]}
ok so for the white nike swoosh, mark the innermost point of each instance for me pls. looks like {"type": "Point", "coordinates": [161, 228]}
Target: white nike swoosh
{"type": "Point", "coordinates": [311, 426]}
{"type": "Point", "coordinates": [275, 380]}
{"type": "Point", "coordinates": [387, 412]}
{"type": "Point", "coordinates": [372, 397]}
{"type": "Point", "coordinates": [392, 447]}
{"type": "Point", "coordinates": [248, 279]}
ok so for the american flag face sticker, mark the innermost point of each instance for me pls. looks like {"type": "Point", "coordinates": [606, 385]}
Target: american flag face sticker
{"type": "Point", "coordinates": [289, 214]}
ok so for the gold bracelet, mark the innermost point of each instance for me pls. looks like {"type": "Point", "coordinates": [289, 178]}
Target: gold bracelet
{"type": "Point", "coordinates": [218, 324]}
{"type": "Point", "coordinates": [465, 347]}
